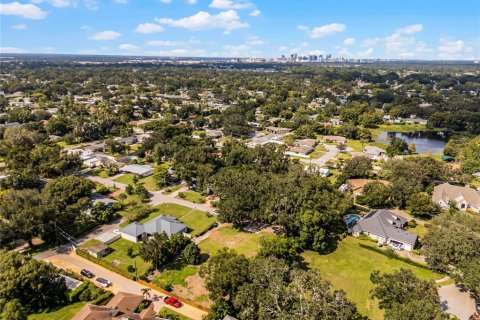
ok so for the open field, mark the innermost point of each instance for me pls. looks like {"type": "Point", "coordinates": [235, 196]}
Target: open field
{"type": "Point", "coordinates": [64, 313]}
{"type": "Point", "coordinates": [349, 268]}
{"type": "Point", "coordinates": [242, 242]}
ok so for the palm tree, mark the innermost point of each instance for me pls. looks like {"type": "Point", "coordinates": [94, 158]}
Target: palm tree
{"type": "Point", "coordinates": [146, 293]}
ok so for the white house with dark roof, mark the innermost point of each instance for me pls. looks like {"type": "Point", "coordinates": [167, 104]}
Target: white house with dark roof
{"type": "Point", "coordinates": [385, 227]}
{"type": "Point", "coordinates": [137, 231]}
{"type": "Point", "coordinates": [465, 198]}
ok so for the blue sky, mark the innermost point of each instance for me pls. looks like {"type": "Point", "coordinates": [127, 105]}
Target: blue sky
{"type": "Point", "coordinates": [407, 29]}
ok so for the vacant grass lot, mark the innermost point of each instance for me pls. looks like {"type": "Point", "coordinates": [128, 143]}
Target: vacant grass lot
{"type": "Point", "coordinates": [349, 268]}
{"type": "Point", "coordinates": [147, 182]}
{"type": "Point", "coordinates": [192, 196]}
{"type": "Point", "coordinates": [175, 275]}
{"type": "Point", "coordinates": [64, 313]}
{"type": "Point", "coordinates": [242, 242]}
{"type": "Point", "coordinates": [197, 221]}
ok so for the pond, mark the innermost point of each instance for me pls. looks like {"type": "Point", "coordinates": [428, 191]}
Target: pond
{"type": "Point", "coordinates": [425, 141]}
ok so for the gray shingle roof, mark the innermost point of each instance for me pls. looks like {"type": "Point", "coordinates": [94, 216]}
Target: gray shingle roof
{"type": "Point", "coordinates": [169, 225]}
{"type": "Point", "coordinates": [385, 224]}
{"type": "Point", "coordinates": [134, 229]}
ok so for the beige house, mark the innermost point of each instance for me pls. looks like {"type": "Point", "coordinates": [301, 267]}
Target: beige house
{"type": "Point", "coordinates": [99, 250]}
{"type": "Point", "coordinates": [465, 198]}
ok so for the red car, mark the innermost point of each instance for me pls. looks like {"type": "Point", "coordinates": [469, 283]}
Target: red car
{"type": "Point", "coordinates": [172, 301]}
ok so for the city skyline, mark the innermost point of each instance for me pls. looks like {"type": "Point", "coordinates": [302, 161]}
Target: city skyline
{"type": "Point", "coordinates": [430, 30]}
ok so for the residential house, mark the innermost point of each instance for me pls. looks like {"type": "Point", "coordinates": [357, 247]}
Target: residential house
{"type": "Point", "coordinates": [375, 153]}
{"type": "Point", "coordinates": [336, 139]}
{"type": "Point", "coordinates": [300, 150]}
{"type": "Point", "coordinates": [123, 306]}
{"type": "Point", "coordinates": [138, 169]}
{"type": "Point", "coordinates": [385, 227]}
{"type": "Point", "coordinates": [336, 121]}
{"type": "Point", "coordinates": [277, 130]}
{"type": "Point", "coordinates": [136, 231]}
{"type": "Point", "coordinates": [306, 143]}
{"type": "Point", "coordinates": [128, 140]}
{"type": "Point", "coordinates": [464, 197]}
{"type": "Point", "coordinates": [99, 250]}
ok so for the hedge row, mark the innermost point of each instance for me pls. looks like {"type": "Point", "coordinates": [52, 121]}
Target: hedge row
{"type": "Point", "coordinates": [73, 296]}
{"type": "Point", "coordinates": [396, 257]}
{"type": "Point", "coordinates": [103, 298]}
{"type": "Point", "coordinates": [105, 264]}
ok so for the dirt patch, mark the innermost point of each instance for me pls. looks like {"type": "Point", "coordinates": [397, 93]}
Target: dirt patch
{"type": "Point", "coordinates": [194, 291]}
{"type": "Point", "coordinates": [116, 193]}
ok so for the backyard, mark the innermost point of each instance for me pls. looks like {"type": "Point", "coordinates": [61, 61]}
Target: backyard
{"type": "Point", "coordinates": [119, 255]}
{"type": "Point", "coordinates": [349, 268]}
{"type": "Point", "coordinates": [242, 242]}
{"type": "Point", "coordinates": [63, 313]}
{"type": "Point", "coordinates": [192, 196]}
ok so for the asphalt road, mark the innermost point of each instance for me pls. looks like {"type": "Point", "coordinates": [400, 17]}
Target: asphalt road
{"type": "Point", "coordinates": [75, 263]}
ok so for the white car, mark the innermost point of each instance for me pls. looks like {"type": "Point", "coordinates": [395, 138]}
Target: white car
{"type": "Point", "coordinates": [103, 282]}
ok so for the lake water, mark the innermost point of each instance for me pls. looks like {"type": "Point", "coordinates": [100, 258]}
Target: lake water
{"type": "Point", "coordinates": [425, 141]}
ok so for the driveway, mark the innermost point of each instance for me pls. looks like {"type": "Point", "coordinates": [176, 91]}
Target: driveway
{"type": "Point", "coordinates": [331, 153]}
{"type": "Point", "coordinates": [75, 263]}
{"type": "Point", "coordinates": [157, 197]}
{"type": "Point", "coordinates": [456, 301]}
{"type": "Point", "coordinates": [108, 182]}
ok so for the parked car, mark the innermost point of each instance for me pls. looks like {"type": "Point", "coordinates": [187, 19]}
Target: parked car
{"type": "Point", "coordinates": [172, 301]}
{"type": "Point", "coordinates": [103, 282]}
{"type": "Point", "coordinates": [396, 246]}
{"type": "Point", "coordinates": [86, 273]}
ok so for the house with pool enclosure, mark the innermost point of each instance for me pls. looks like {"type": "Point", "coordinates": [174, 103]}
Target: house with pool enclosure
{"type": "Point", "coordinates": [385, 227]}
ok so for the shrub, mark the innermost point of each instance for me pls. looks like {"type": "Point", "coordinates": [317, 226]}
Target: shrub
{"type": "Point", "coordinates": [389, 252]}
{"type": "Point", "coordinates": [182, 195]}
{"type": "Point", "coordinates": [103, 298]}
{"type": "Point", "coordinates": [131, 268]}
{"type": "Point", "coordinates": [73, 296]}
{"type": "Point", "coordinates": [412, 224]}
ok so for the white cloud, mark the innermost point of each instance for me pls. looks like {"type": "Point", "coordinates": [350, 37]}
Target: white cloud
{"type": "Point", "coordinates": [323, 31]}
{"type": "Point", "coordinates": [121, 1]}
{"type": "Point", "coordinates": [105, 35]}
{"type": "Point", "coordinates": [86, 28]}
{"type": "Point", "coordinates": [343, 52]}
{"type": "Point", "coordinates": [21, 26]}
{"type": "Point", "coordinates": [226, 20]}
{"type": "Point", "coordinates": [191, 1]}
{"type": "Point", "coordinates": [366, 53]}
{"type": "Point", "coordinates": [449, 49]}
{"type": "Point", "coordinates": [27, 11]}
{"type": "Point", "coordinates": [162, 43]}
{"type": "Point", "coordinates": [91, 4]}
{"type": "Point", "coordinates": [12, 50]}
{"type": "Point", "coordinates": [128, 47]}
{"type": "Point", "coordinates": [148, 28]}
{"type": "Point", "coordinates": [166, 1]}
{"type": "Point", "coordinates": [255, 41]}
{"type": "Point", "coordinates": [411, 29]}
{"type": "Point", "coordinates": [229, 4]}
{"type": "Point", "coordinates": [349, 41]}
{"type": "Point", "coordinates": [283, 49]}
{"type": "Point", "coordinates": [242, 50]}
{"type": "Point", "coordinates": [58, 3]}
{"type": "Point", "coordinates": [255, 13]}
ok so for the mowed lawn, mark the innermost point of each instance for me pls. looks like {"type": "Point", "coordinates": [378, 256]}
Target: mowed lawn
{"type": "Point", "coordinates": [147, 182]}
{"type": "Point", "coordinates": [349, 268]}
{"type": "Point", "coordinates": [197, 221]}
{"type": "Point", "coordinates": [119, 254]}
{"type": "Point", "coordinates": [228, 237]}
{"type": "Point", "coordinates": [64, 313]}
{"type": "Point", "coordinates": [175, 275]}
